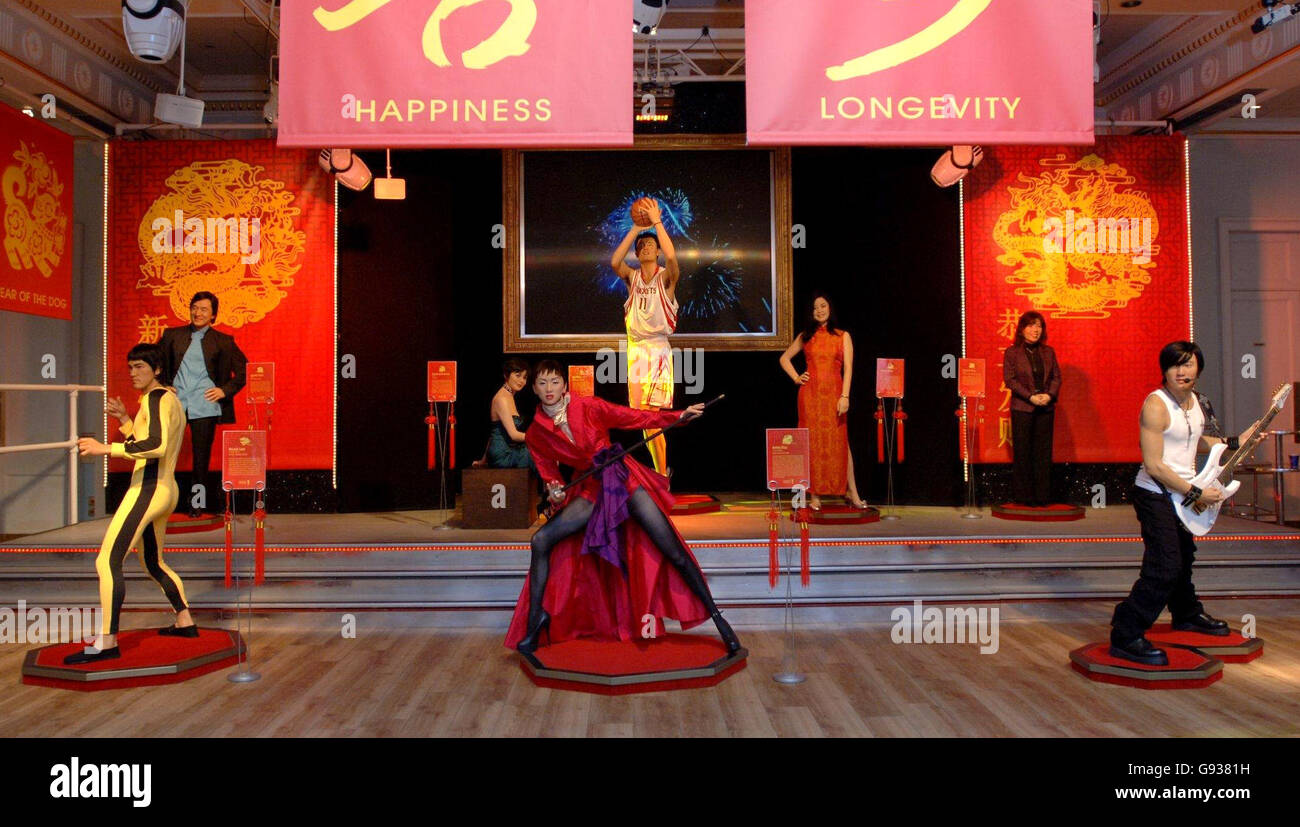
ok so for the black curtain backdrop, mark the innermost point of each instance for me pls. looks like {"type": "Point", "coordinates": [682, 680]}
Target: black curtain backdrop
{"type": "Point", "coordinates": [420, 279]}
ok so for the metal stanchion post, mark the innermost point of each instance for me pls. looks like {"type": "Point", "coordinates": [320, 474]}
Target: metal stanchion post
{"type": "Point", "coordinates": [241, 674]}
{"type": "Point", "coordinates": [789, 673]}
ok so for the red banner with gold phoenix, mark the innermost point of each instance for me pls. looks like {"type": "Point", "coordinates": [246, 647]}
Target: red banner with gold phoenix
{"type": "Point", "coordinates": [254, 225]}
{"type": "Point", "coordinates": [1095, 239]}
{"type": "Point", "coordinates": [36, 186]}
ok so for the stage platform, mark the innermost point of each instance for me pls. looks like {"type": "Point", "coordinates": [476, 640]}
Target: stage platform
{"type": "Point", "coordinates": [420, 560]}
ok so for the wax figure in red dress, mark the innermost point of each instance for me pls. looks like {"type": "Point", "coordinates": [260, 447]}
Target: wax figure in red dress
{"type": "Point", "coordinates": [631, 561]}
{"type": "Point", "coordinates": [824, 401]}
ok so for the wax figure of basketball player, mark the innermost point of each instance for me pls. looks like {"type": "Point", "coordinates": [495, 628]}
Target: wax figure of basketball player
{"type": "Point", "coordinates": [153, 440]}
{"type": "Point", "coordinates": [650, 314]}
{"type": "Point", "coordinates": [1176, 421]}
{"type": "Point", "coordinates": [208, 369]}
{"type": "Point", "coordinates": [631, 562]}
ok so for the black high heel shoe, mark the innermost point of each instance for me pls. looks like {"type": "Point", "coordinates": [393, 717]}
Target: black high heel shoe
{"type": "Point", "coordinates": [725, 632]}
{"type": "Point", "coordinates": [529, 641]}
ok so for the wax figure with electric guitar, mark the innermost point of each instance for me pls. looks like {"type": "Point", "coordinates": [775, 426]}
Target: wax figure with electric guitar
{"type": "Point", "coordinates": [1174, 503]}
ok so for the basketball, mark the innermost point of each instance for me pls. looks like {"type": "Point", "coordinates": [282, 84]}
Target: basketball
{"type": "Point", "coordinates": [640, 211]}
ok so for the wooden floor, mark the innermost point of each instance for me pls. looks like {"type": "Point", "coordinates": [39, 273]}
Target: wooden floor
{"type": "Point", "coordinates": [424, 682]}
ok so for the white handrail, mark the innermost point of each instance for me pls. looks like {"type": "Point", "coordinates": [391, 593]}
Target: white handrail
{"type": "Point", "coordinates": [70, 444]}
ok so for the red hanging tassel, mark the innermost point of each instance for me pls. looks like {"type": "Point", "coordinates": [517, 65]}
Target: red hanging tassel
{"type": "Point", "coordinates": [805, 566]}
{"type": "Point", "coordinates": [259, 543]}
{"type": "Point", "coordinates": [432, 421]}
{"type": "Point", "coordinates": [899, 419]}
{"type": "Point", "coordinates": [451, 435]}
{"type": "Point", "coordinates": [230, 539]}
{"type": "Point", "coordinates": [880, 430]}
{"type": "Point", "coordinates": [773, 523]}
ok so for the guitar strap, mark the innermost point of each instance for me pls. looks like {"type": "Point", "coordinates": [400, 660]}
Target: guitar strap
{"type": "Point", "coordinates": [1212, 427]}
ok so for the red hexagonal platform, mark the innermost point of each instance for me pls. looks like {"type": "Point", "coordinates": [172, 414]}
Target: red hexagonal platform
{"type": "Point", "coordinates": [673, 661]}
{"type": "Point", "coordinates": [148, 659]}
{"type": "Point", "coordinates": [1233, 648]}
{"type": "Point", "coordinates": [1054, 513]}
{"type": "Point", "coordinates": [1187, 669]}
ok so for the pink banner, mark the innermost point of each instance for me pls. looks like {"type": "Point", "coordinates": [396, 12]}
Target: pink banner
{"type": "Point", "coordinates": [444, 73]}
{"type": "Point", "coordinates": [919, 71]}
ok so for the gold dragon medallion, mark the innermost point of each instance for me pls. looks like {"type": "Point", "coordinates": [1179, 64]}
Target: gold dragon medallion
{"type": "Point", "coordinates": [1079, 237]}
{"type": "Point", "coordinates": [196, 237]}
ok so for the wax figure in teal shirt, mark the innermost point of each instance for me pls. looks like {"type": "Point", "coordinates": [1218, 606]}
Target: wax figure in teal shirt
{"type": "Point", "coordinates": [207, 369]}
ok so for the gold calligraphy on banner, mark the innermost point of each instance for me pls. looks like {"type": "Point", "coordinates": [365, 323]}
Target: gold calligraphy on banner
{"type": "Point", "coordinates": [1078, 237]}
{"type": "Point", "coordinates": [223, 228]}
{"type": "Point", "coordinates": [509, 40]}
{"type": "Point", "coordinates": [34, 223]}
{"type": "Point", "coordinates": [927, 40]}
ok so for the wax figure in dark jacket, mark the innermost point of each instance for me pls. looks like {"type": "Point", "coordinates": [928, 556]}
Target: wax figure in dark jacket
{"type": "Point", "coordinates": [207, 369]}
{"type": "Point", "coordinates": [1030, 370]}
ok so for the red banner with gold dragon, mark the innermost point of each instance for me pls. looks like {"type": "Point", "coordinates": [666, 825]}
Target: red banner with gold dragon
{"type": "Point", "coordinates": [1095, 239]}
{"type": "Point", "coordinates": [253, 225]}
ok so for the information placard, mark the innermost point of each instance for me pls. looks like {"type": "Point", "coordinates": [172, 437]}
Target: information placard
{"type": "Point", "coordinates": [971, 377]}
{"type": "Point", "coordinates": [788, 458]}
{"type": "Point", "coordinates": [889, 377]}
{"type": "Point", "coordinates": [442, 381]}
{"type": "Point", "coordinates": [261, 382]}
{"type": "Point", "coordinates": [582, 380]}
{"type": "Point", "coordinates": [243, 460]}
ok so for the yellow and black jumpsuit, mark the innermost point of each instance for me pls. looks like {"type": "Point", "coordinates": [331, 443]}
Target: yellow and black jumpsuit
{"type": "Point", "coordinates": [153, 440]}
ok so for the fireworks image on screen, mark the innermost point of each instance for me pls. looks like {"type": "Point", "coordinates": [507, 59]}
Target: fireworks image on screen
{"type": "Point", "coordinates": [709, 285]}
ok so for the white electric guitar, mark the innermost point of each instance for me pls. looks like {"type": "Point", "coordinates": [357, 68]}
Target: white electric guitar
{"type": "Point", "coordinates": [1199, 517]}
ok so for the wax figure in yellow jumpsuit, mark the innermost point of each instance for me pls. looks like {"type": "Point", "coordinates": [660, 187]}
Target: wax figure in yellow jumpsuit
{"type": "Point", "coordinates": [650, 314]}
{"type": "Point", "coordinates": [153, 440]}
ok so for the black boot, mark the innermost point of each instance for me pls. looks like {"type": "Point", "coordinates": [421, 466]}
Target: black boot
{"type": "Point", "coordinates": [1140, 651]}
{"type": "Point", "coordinates": [725, 632]}
{"type": "Point", "coordinates": [1202, 623]}
{"type": "Point", "coordinates": [535, 626]}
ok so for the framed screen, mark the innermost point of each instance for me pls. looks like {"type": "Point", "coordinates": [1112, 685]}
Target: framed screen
{"type": "Point", "coordinates": [725, 207]}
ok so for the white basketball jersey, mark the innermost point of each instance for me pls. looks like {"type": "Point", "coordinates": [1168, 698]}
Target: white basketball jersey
{"type": "Point", "coordinates": [648, 311]}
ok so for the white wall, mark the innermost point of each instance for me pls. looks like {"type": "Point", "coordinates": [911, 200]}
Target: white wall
{"type": "Point", "coordinates": [1256, 182]}
{"type": "Point", "coordinates": [33, 486]}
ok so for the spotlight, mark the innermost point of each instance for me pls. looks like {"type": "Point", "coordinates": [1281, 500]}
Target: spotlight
{"type": "Point", "coordinates": [646, 15]}
{"type": "Point", "coordinates": [154, 28]}
{"type": "Point", "coordinates": [343, 164]}
{"type": "Point", "coordinates": [954, 164]}
{"type": "Point", "coordinates": [1274, 14]}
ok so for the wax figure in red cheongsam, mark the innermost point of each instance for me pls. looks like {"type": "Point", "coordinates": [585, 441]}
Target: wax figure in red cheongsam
{"type": "Point", "coordinates": [630, 561]}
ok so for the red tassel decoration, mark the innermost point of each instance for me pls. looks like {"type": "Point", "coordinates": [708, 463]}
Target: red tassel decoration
{"type": "Point", "coordinates": [899, 419]}
{"type": "Point", "coordinates": [773, 523]}
{"type": "Point", "coordinates": [805, 566]}
{"type": "Point", "coordinates": [880, 430]}
{"type": "Point", "coordinates": [230, 539]}
{"type": "Point", "coordinates": [432, 421]}
{"type": "Point", "coordinates": [451, 435]}
{"type": "Point", "coordinates": [259, 543]}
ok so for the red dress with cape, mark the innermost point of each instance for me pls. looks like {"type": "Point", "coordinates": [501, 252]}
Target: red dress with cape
{"type": "Point", "coordinates": [586, 596]}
